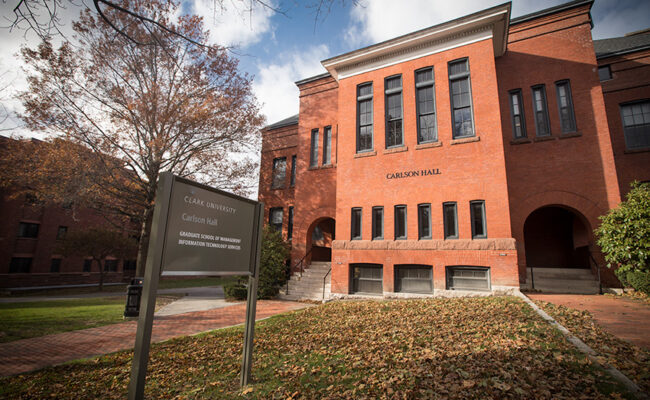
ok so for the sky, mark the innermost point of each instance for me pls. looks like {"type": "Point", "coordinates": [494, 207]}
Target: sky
{"type": "Point", "coordinates": [282, 45]}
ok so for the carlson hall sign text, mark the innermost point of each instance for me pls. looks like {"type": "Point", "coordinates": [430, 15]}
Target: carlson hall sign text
{"type": "Point", "coordinates": [414, 173]}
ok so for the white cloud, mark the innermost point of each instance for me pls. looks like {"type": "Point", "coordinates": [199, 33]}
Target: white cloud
{"type": "Point", "coordinates": [234, 22]}
{"type": "Point", "coordinates": [377, 20]}
{"type": "Point", "coordinates": [274, 84]}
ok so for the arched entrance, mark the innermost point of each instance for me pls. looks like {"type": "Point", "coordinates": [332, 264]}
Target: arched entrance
{"type": "Point", "coordinates": [556, 237]}
{"type": "Point", "coordinates": [320, 235]}
{"type": "Point", "coordinates": [557, 241]}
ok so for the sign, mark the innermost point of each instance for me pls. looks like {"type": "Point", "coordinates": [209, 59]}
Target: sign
{"type": "Point", "coordinates": [198, 230]}
{"type": "Point", "coordinates": [413, 173]}
{"type": "Point", "coordinates": [208, 231]}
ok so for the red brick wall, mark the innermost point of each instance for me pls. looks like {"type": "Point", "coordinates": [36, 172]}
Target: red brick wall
{"type": "Point", "coordinates": [630, 81]}
{"type": "Point", "coordinates": [43, 248]}
{"type": "Point", "coordinates": [577, 171]}
{"type": "Point", "coordinates": [468, 171]}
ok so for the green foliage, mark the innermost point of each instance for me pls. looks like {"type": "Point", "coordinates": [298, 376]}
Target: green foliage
{"type": "Point", "coordinates": [639, 281]}
{"type": "Point", "coordinates": [624, 233]}
{"type": "Point", "coordinates": [275, 252]}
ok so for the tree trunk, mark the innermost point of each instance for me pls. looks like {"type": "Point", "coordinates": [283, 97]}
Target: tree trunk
{"type": "Point", "coordinates": [101, 275]}
{"type": "Point", "coordinates": [143, 244]}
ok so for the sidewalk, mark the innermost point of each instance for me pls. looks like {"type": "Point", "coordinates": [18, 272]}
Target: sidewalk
{"type": "Point", "coordinates": [191, 291]}
{"type": "Point", "coordinates": [36, 353]}
{"type": "Point", "coordinates": [626, 319]}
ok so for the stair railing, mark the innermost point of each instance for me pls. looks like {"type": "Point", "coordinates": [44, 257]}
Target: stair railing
{"type": "Point", "coordinates": [600, 284]}
{"type": "Point", "coordinates": [300, 263]}
{"type": "Point", "coordinates": [324, 278]}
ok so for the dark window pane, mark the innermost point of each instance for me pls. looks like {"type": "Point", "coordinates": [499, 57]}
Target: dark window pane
{"type": "Point", "coordinates": [541, 111]}
{"type": "Point", "coordinates": [477, 211]}
{"type": "Point", "coordinates": [275, 218]}
{"type": "Point", "coordinates": [636, 124]}
{"type": "Point", "coordinates": [604, 73]}
{"type": "Point", "coordinates": [61, 232]}
{"type": "Point", "coordinates": [87, 265]}
{"type": "Point", "coordinates": [367, 278]}
{"type": "Point", "coordinates": [414, 278]}
{"type": "Point", "coordinates": [110, 265]}
{"type": "Point", "coordinates": [449, 215]}
{"type": "Point", "coordinates": [293, 170]}
{"type": "Point", "coordinates": [424, 221]}
{"type": "Point", "coordinates": [364, 117]}
{"type": "Point", "coordinates": [28, 230]}
{"type": "Point", "coordinates": [327, 145]}
{"type": "Point", "coordinates": [313, 159]}
{"type": "Point", "coordinates": [55, 265]}
{"type": "Point", "coordinates": [400, 222]}
{"type": "Point", "coordinates": [279, 172]}
{"type": "Point", "coordinates": [20, 265]}
{"type": "Point", "coordinates": [290, 224]}
{"type": "Point", "coordinates": [565, 104]}
{"type": "Point", "coordinates": [355, 224]}
{"type": "Point", "coordinates": [377, 222]}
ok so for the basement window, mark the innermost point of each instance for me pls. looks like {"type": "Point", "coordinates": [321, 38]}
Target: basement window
{"type": "Point", "coordinates": [412, 278]}
{"type": "Point", "coordinates": [460, 277]}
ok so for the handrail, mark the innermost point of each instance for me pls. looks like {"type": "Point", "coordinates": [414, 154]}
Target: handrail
{"type": "Point", "coordinates": [325, 277]}
{"type": "Point", "coordinates": [600, 284]}
{"type": "Point", "coordinates": [302, 268]}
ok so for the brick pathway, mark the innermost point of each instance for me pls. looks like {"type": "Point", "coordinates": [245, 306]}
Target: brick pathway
{"type": "Point", "coordinates": [627, 319]}
{"type": "Point", "coordinates": [35, 353]}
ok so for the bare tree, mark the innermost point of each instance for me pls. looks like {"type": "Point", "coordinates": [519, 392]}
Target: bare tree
{"type": "Point", "coordinates": [140, 110]}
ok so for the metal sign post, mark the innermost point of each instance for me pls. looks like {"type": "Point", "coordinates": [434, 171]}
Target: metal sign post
{"type": "Point", "coordinates": [198, 230]}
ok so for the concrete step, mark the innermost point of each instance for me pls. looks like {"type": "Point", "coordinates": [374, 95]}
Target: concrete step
{"type": "Point", "coordinates": [561, 273]}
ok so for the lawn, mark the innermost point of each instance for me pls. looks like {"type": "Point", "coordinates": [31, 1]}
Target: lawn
{"type": "Point", "coordinates": [32, 319]}
{"type": "Point", "coordinates": [488, 348]}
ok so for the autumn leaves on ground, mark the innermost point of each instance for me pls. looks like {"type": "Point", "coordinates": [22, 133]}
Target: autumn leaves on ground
{"type": "Point", "coordinates": [484, 348]}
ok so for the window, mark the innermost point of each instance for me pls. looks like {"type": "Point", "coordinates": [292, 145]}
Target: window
{"type": "Point", "coordinates": [55, 265]}
{"type": "Point", "coordinates": [110, 265]}
{"type": "Point", "coordinates": [517, 111]}
{"type": "Point", "coordinates": [364, 117]}
{"type": "Point", "coordinates": [27, 230]}
{"type": "Point", "coordinates": [636, 124]}
{"type": "Point", "coordinates": [604, 73]}
{"type": "Point", "coordinates": [424, 221]}
{"type": "Point", "coordinates": [20, 265]}
{"type": "Point", "coordinates": [461, 99]}
{"type": "Point", "coordinates": [279, 172]}
{"type": "Point", "coordinates": [468, 278]}
{"type": "Point", "coordinates": [87, 265]}
{"type": "Point", "coordinates": [355, 224]}
{"type": "Point", "coordinates": [275, 218]}
{"type": "Point", "coordinates": [400, 222]}
{"type": "Point", "coordinates": [293, 171]}
{"type": "Point", "coordinates": [477, 211]}
{"type": "Point", "coordinates": [413, 278]}
{"type": "Point", "coordinates": [290, 224]}
{"type": "Point", "coordinates": [450, 220]}
{"type": "Point", "coordinates": [426, 105]}
{"type": "Point", "coordinates": [327, 145]}
{"type": "Point", "coordinates": [377, 223]}
{"type": "Point", "coordinates": [313, 156]}
{"type": "Point", "coordinates": [129, 265]}
{"type": "Point", "coordinates": [565, 104]}
{"type": "Point", "coordinates": [60, 234]}
{"type": "Point", "coordinates": [541, 111]}
{"type": "Point", "coordinates": [367, 278]}
{"type": "Point", "coordinates": [394, 111]}
{"type": "Point", "coordinates": [317, 235]}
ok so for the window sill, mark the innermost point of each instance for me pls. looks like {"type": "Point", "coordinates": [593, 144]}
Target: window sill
{"type": "Point", "coordinates": [521, 141]}
{"type": "Point", "coordinates": [392, 150]}
{"type": "Point", "coordinates": [324, 166]}
{"type": "Point", "coordinates": [365, 154]}
{"type": "Point", "coordinates": [466, 140]}
{"type": "Point", "coordinates": [428, 145]}
{"type": "Point", "coordinates": [570, 135]}
{"type": "Point", "coordinates": [544, 138]}
{"type": "Point", "coordinates": [279, 188]}
{"type": "Point", "coordinates": [641, 150]}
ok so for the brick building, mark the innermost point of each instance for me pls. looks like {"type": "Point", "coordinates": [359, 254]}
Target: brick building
{"type": "Point", "coordinates": [474, 154]}
{"type": "Point", "coordinates": [30, 234]}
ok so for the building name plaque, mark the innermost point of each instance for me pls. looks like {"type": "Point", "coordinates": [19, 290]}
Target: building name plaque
{"type": "Point", "coordinates": [412, 174]}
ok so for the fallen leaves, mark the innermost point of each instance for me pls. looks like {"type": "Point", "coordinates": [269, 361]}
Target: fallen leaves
{"type": "Point", "coordinates": [488, 348]}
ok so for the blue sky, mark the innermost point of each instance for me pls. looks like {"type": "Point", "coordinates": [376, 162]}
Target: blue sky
{"type": "Point", "coordinates": [279, 48]}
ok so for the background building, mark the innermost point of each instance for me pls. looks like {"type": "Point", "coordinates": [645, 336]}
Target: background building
{"type": "Point", "coordinates": [474, 154]}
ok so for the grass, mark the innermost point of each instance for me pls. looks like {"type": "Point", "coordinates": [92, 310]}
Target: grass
{"type": "Point", "coordinates": [33, 319]}
{"type": "Point", "coordinates": [632, 360]}
{"type": "Point", "coordinates": [488, 348]}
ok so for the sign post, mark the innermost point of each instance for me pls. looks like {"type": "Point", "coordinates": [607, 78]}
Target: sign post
{"type": "Point", "coordinates": [200, 231]}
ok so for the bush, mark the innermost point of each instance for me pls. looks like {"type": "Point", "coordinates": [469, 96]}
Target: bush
{"type": "Point", "coordinates": [624, 233]}
{"type": "Point", "coordinates": [639, 281]}
{"type": "Point", "coordinates": [273, 275]}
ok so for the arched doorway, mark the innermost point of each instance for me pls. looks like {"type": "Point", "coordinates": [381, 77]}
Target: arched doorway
{"type": "Point", "coordinates": [320, 235]}
{"type": "Point", "coordinates": [557, 243]}
{"type": "Point", "coordinates": [556, 237]}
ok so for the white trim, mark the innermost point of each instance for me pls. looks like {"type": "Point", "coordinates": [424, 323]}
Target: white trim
{"type": "Point", "coordinates": [410, 54]}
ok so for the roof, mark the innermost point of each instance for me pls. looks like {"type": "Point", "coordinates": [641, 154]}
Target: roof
{"type": "Point", "coordinates": [551, 10]}
{"type": "Point", "coordinates": [313, 78]}
{"type": "Point", "coordinates": [292, 120]}
{"type": "Point", "coordinates": [621, 45]}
